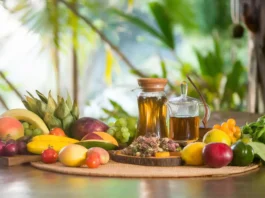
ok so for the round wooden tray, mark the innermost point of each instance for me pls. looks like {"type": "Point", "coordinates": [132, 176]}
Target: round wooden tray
{"type": "Point", "coordinates": [145, 161]}
{"type": "Point", "coordinates": [114, 169]}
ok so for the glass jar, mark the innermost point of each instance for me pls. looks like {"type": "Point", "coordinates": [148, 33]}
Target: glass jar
{"type": "Point", "coordinates": [152, 106]}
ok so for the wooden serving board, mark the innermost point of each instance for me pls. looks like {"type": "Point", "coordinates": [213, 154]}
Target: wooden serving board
{"type": "Point", "coordinates": [173, 160]}
{"type": "Point", "coordinates": [18, 159]}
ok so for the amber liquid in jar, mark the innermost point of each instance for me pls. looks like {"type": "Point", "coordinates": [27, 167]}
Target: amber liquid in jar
{"type": "Point", "coordinates": [152, 115]}
{"type": "Point", "coordinates": [184, 129]}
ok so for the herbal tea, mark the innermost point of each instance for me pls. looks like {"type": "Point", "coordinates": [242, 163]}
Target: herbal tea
{"type": "Point", "coordinates": [152, 116]}
{"type": "Point", "coordinates": [184, 129]}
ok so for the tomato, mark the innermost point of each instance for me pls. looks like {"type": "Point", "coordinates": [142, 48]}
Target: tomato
{"type": "Point", "coordinates": [49, 156]}
{"type": "Point", "coordinates": [93, 160]}
{"type": "Point", "coordinates": [57, 131]}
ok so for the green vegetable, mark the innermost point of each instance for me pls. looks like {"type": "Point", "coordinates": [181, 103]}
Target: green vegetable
{"type": "Point", "coordinates": [259, 149]}
{"type": "Point", "coordinates": [243, 154]}
{"type": "Point", "coordinates": [255, 130]}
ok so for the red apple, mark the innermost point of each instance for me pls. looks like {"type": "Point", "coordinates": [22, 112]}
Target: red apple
{"type": "Point", "coordinates": [103, 154]}
{"type": "Point", "coordinates": [217, 155]}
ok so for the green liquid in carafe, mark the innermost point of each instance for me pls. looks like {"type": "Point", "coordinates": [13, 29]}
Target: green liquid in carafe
{"type": "Point", "coordinates": [152, 116]}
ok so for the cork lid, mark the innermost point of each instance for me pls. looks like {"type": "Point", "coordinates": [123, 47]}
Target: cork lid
{"type": "Point", "coordinates": [152, 84]}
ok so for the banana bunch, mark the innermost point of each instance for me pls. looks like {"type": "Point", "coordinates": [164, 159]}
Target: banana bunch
{"type": "Point", "coordinates": [55, 114]}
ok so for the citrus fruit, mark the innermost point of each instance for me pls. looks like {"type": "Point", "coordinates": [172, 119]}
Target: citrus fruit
{"type": "Point", "coordinates": [192, 154]}
{"type": "Point", "coordinates": [216, 135]}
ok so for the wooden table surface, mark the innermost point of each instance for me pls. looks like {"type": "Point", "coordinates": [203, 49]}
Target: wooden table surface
{"type": "Point", "coordinates": [25, 181]}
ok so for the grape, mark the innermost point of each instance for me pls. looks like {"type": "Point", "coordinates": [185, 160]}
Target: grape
{"type": "Point", "coordinates": [126, 135]}
{"type": "Point", "coordinates": [28, 132]}
{"type": "Point", "coordinates": [121, 122]}
{"type": "Point", "coordinates": [111, 132]}
{"type": "Point", "coordinates": [131, 123]}
{"type": "Point", "coordinates": [132, 133]}
{"type": "Point", "coordinates": [25, 125]}
{"type": "Point", "coordinates": [31, 127]}
{"type": "Point", "coordinates": [118, 134]}
{"type": "Point", "coordinates": [124, 129]}
{"type": "Point", "coordinates": [36, 132]}
{"type": "Point", "coordinates": [111, 124]}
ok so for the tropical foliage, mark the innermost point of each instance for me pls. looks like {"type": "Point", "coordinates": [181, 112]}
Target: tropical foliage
{"type": "Point", "coordinates": [64, 25]}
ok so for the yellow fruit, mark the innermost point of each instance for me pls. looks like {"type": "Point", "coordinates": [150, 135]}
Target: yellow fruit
{"type": "Point", "coordinates": [73, 155]}
{"type": "Point", "coordinates": [54, 138]}
{"type": "Point", "coordinates": [162, 154]}
{"type": "Point", "coordinates": [37, 147]}
{"type": "Point", "coordinates": [216, 135]}
{"type": "Point", "coordinates": [192, 153]}
{"type": "Point", "coordinates": [28, 116]}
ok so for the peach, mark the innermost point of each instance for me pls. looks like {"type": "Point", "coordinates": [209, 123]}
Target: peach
{"type": "Point", "coordinates": [103, 154]}
{"type": "Point", "coordinates": [10, 128]}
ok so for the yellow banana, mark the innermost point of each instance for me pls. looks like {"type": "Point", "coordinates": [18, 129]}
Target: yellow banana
{"type": "Point", "coordinates": [37, 147]}
{"type": "Point", "coordinates": [54, 138]}
{"type": "Point", "coordinates": [28, 116]}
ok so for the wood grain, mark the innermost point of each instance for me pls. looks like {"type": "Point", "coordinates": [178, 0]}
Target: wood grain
{"type": "Point", "coordinates": [146, 161]}
{"type": "Point", "coordinates": [18, 159]}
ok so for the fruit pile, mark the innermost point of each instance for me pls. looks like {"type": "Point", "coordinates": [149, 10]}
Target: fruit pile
{"type": "Point", "coordinates": [219, 148]}
{"type": "Point", "coordinates": [230, 128]}
{"type": "Point", "coordinates": [13, 147]}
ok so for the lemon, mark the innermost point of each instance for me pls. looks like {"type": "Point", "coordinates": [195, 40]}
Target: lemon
{"type": "Point", "coordinates": [192, 153]}
{"type": "Point", "coordinates": [216, 135]}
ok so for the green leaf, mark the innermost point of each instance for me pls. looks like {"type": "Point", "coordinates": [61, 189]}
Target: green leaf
{"type": "Point", "coordinates": [42, 97]}
{"type": "Point", "coordinates": [140, 23]}
{"type": "Point", "coordinates": [164, 23]}
{"type": "Point", "coordinates": [163, 68]}
{"type": "Point", "coordinates": [259, 149]}
{"type": "Point", "coordinates": [182, 12]}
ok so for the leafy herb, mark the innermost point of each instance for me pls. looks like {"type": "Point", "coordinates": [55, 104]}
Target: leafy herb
{"type": "Point", "coordinates": [256, 130]}
{"type": "Point", "coordinates": [259, 149]}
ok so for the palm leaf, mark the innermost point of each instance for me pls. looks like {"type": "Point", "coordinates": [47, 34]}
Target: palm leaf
{"type": "Point", "coordinates": [164, 23]}
{"type": "Point", "coordinates": [140, 23]}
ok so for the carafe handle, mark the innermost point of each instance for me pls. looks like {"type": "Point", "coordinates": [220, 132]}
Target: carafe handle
{"type": "Point", "coordinates": [207, 113]}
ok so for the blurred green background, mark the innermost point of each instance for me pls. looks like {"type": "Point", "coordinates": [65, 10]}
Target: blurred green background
{"type": "Point", "coordinates": [96, 50]}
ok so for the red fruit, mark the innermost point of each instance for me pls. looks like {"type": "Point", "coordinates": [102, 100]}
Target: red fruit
{"type": "Point", "coordinates": [86, 125]}
{"type": "Point", "coordinates": [10, 149]}
{"type": "Point", "coordinates": [103, 154]}
{"type": "Point", "coordinates": [10, 128]}
{"type": "Point", "coordinates": [217, 155]}
{"type": "Point", "coordinates": [2, 145]}
{"type": "Point", "coordinates": [92, 136]}
{"type": "Point", "coordinates": [57, 131]}
{"type": "Point", "coordinates": [93, 160]}
{"type": "Point", "coordinates": [49, 156]}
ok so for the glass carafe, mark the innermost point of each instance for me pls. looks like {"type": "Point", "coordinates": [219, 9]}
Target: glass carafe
{"type": "Point", "coordinates": [152, 106]}
{"type": "Point", "coordinates": [184, 117]}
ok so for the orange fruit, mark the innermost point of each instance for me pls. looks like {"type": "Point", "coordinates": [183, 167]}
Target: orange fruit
{"type": "Point", "coordinates": [237, 134]}
{"type": "Point", "coordinates": [224, 127]}
{"type": "Point", "coordinates": [217, 126]}
{"type": "Point", "coordinates": [57, 131]}
{"type": "Point", "coordinates": [233, 129]}
{"type": "Point", "coordinates": [231, 122]}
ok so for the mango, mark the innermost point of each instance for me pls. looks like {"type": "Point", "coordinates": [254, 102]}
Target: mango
{"type": "Point", "coordinates": [10, 128]}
